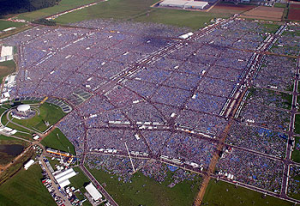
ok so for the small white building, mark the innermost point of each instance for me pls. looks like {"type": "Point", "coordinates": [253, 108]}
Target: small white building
{"type": "Point", "coordinates": [92, 190]}
{"type": "Point", "coordinates": [184, 4]}
{"type": "Point", "coordinates": [28, 164]}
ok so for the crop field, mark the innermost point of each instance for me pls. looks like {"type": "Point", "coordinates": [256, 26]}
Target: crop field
{"type": "Point", "coordinates": [141, 12]}
{"type": "Point", "coordinates": [224, 194]}
{"type": "Point", "coordinates": [294, 14]}
{"type": "Point", "coordinates": [62, 6]}
{"type": "Point", "coordinates": [25, 189]}
{"type": "Point", "coordinates": [141, 190]}
{"type": "Point", "coordinates": [265, 13]}
{"type": "Point", "coordinates": [57, 140]}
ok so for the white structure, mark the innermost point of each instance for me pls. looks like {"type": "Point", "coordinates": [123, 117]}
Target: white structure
{"type": "Point", "coordinates": [63, 177]}
{"type": "Point", "coordinates": [184, 4]}
{"type": "Point", "coordinates": [92, 190]}
{"type": "Point", "coordinates": [6, 53]}
{"type": "Point", "coordinates": [23, 108]}
{"type": "Point", "coordinates": [28, 164]}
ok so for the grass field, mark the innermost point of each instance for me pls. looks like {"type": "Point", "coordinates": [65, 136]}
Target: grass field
{"type": "Point", "coordinates": [224, 194]}
{"type": "Point", "coordinates": [57, 140]}
{"type": "Point", "coordinates": [145, 191]}
{"type": "Point", "coordinates": [296, 152]}
{"type": "Point", "coordinates": [79, 182]}
{"type": "Point", "coordinates": [297, 124]}
{"type": "Point", "coordinates": [25, 189]}
{"type": "Point", "coordinates": [7, 68]}
{"type": "Point", "coordinates": [142, 12]}
{"type": "Point", "coordinates": [296, 195]}
{"type": "Point", "coordinates": [48, 112]}
{"type": "Point", "coordinates": [8, 24]}
{"type": "Point", "coordinates": [62, 6]}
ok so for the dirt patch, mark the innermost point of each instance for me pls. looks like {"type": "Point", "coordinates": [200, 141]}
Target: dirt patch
{"type": "Point", "coordinates": [231, 8]}
{"type": "Point", "coordinates": [265, 13]}
{"type": "Point", "coordinates": [294, 14]}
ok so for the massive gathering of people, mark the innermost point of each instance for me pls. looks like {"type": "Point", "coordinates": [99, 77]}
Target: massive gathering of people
{"type": "Point", "coordinates": [140, 89]}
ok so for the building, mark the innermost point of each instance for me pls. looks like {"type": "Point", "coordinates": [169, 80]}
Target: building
{"type": "Point", "coordinates": [184, 4]}
{"type": "Point", "coordinates": [23, 108]}
{"type": "Point", "coordinates": [63, 177]}
{"type": "Point", "coordinates": [92, 190]}
{"type": "Point", "coordinates": [28, 164]}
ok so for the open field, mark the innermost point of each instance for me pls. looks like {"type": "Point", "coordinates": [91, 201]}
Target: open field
{"type": "Point", "coordinates": [297, 124]}
{"type": "Point", "coordinates": [62, 6]}
{"type": "Point", "coordinates": [8, 24]}
{"type": "Point", "coordinates": [79, 182]}
{"type": "Point", "coordinates": [48, 113]}
{"type": "Point", "coordinates": [180, 18]}
{"type": "Point", "coordinates": [224, 194]}
{"type": "Point", "coordinates": [141, 12]}
{"type": "Point", "coordinates": [296, 152]}
{"type": "Point", "coordinates": [6, 68]}
{"type": "Point", "coordinates": [264, 13]}
{"type": "Point", "coordinates": [231, 8]}
{"type": "Point", "coordinates": [25, 189]}
{"type": "Point", "coordinates": [15, 31]}
{"type": "Point", "coordinates": [57, 140]}
{"type": "Point", "coordinates": [141, 190]}
{"type": "Point", "coordinates": [294, 14]}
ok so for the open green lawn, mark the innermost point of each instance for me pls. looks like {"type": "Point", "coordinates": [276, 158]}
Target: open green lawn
{"type": "Point", "coordinates": [57, 140]}
{"type": "Point", "coordinates": [271, 28]}
{"type": "Point", "coordinates": [296, 195]}
{"type": "Point", "coordinates": [296, 152]}
{"type": "Point", "coordinates": [2, 137]}
{"type": "Point", "coordinates": [191, 19]}
{"type": "Point", "coordinates": [8, 24]}
{"type": "Point", "coordinates": [146, 191]}
{"type": "Point", "coordinates": [7, 68]}
{"type": "Point", "coordinates": [297, 124]}
{"type": "Point", "coordinates": [224, 194]}
{"type": "Point", "coordinates": [280, 5]}
{"type": "Point", "coordinates": [142, 12]}
{"type": "Point", "coordinates": [117, 9]}
{"type": "Point", "coordinates": [25, 189]}
{"type": "Point", "coordinates": [79, 180]}
{"type": "Point", "coordinates": [62, 6]}
{"type": "Point", "coordinates": [48, 113]}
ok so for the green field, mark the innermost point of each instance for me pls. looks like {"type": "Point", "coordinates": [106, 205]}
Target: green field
{"type": "Point", "coordinates": [62, 6]}
{"type": "Point", "coordinates": [181, 18]}
{"type": "Point", "coordinates": [296, 152]}
{"type": "Point", "coordinates": [224, 194]}
{"type": "Point", "coordinates": [57, 140]}
{"type": "Point", "coordinates": [280, 5]}
{"type": "Point", "coordinates": [297, 124]}
{"type": "Point", "coordinates": [79, 181]}
{"type": "Point", "coordinates": [146, 191]}
{"type": "Point", "coordinates": [142, 12]}
{"type": "Point", "coordinates": [48, 113]}
{"type": "Point", "coordinates": [8, 24]}
{"type": "Point", "coordinates": [7, 68]}
{"type": "Point", "coordinates": [25, 189]}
